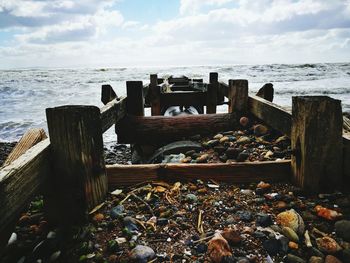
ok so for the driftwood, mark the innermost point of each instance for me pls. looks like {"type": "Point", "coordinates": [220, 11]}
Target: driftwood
{"type": "Point", "coordinates": [28, 140]}
{"type": "Point", "coordinates": [317, 142]}
{"type": "Point", "coordinates": [20, 181]}
{"type": "Point", "coordinates": [155, 129]}
{"type": "Point", "coordinates": [122, 175]}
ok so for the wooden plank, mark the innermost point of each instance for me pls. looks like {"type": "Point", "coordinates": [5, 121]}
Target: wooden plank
{"type": "Point", "coordinates": [28, 140]}
{"type": "Point", "coordinates": [266, 92]}
{"type": "Point", "coordinates": [20, 181]}
{"type": "Point", "coordinates": [224, 88]}
{"type": "Point", "coordinates": [317, 126]}
{"type": "Point", "coordinates": [346, 161]}
{"type": "Point", "coordinates": [245, 172]}
{"type": "Point", "coordinates": [112, 112]}
{"type": "Point", "coordinates": [155, 129]}
{"type": "Point", "coordinates": [79, 181]}
{"type": "Point", "coordinates": [107, 94]}
{"type": "Point", "coordinates": [135, 102]}
{"type": "Point", "coordinates": [184, 98]}
{"type": "Point", "coordinates": [155, 95]}
{"type": "Point", "coordinates": [270, 113]}
{"type": "Point", "coordinates": [238, 96]}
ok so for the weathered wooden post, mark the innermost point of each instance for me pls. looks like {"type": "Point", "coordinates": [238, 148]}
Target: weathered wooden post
{"type": "Point", "coordinates": [135, 99]}
{"type": "Point", "coordinates": [317, 142]}
{"type": "Point", "coordinates": [107, 94]}
{"type": "Point", "coordinates": [266, 92]}
{"type": "Point", "coordinates": [212, 93]}
{"type": "Point", "coordinates": [155, 95]}
{"type": "Point", "coordinates": [79, 181]}
{"type": "Point", "coordinates": [238, 95]}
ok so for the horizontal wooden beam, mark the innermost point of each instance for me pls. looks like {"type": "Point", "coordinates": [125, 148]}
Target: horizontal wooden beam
{"type": "Point", "coordinates": [19, 182]}
{"type": "Point", "coordinates": [245, 172]}
{"type": "Point", "coordinates": [185, 98]}
{"type": "Point", "coordinates": [156, 129]}
{"type": "Point", "coordinates": [271, 114]}
{"type": "Point", "coordinates": [112, 112]}
{"type": "Point", "coordinates": [224, 89]}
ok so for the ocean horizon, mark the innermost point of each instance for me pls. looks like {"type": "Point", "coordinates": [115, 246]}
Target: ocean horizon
{"type": "Point", "coordinates": [26, 93]}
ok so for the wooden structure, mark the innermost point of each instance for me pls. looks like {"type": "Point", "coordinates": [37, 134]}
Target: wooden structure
{"type": "Point", "coordinates": [69, 168]}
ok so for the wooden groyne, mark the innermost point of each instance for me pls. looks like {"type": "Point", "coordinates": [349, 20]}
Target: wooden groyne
{"type": "Point", "coordinates": [69, 169]}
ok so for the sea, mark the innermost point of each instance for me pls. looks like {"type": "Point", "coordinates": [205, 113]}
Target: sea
{"type": "Point", "coordinates": [26, 93]}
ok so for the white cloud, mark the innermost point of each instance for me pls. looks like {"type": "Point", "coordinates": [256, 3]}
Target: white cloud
{"type": "Point", "coordinates": [194, 6]}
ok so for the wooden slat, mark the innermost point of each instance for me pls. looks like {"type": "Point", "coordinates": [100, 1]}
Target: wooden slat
{"type": "Point", "coordinates": [19, 182]}
{"type": "Point", "coordinates": [112, 112]}
{"type": "Point", "coordinates": [271, 113]}
{"type": "Point", "coordinates": [122, 175]}
{"type": "Point", "coordinates": [224, 89]}
{"type": "Point", "coordinates": [28, 140]}
{"type": "Point", "coordinates": [185, 98]}
{"type": "Point", "coordinates": [79, 181]}
{"type": "Point", "coordinates": [107, 94]}
{"type": "Point", "coordinates": [156, 129]}
{"type": "Point", "coordinates": [346, 161]}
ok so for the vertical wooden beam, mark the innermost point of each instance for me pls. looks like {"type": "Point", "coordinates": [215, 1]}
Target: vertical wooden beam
{"type": "Point", "coordinates": [79, 181]}
{"type": "Point", "coordinates": [155, 95]}
{"type": "Point", "coordinates": [238, 96]}
{"type": "Point", "coordinates": [317, 142]}
{"type": "Point", "coordinates": [266, 92]}
{"type": "Point", "coordinates": [214, 79]}
{"type": "Point", "coordinates": [135, 100]}
{"type": "Point", "coordinates": [107, 94]}
{"type": "Point", "coordinates": [212, 93]}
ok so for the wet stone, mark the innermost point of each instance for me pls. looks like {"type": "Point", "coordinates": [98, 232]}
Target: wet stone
{"type": "Point", "coordinates": [295, 259]}
{"type": "Point", "coordinates": [242, 157]}
{"type": "Point", "coordinates": [272, 246]}
{"type": "Point", "coordinates": [342, 228]}
{"type": "Point", "coordinates": [191, 198]}
{"type": "Point", "coordinates": [264, 220]}
{"type": "Point", "coordinates": [315, 259]}
{"type": "Point", "coordinates": [117, 212]}
{"type": "Point", "coordinates": [244, 215]}
{"type": "Point", "coordinates": [332, 259]}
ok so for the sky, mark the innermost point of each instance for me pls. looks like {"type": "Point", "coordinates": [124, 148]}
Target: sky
{"type": "Point", "coordinates": [141, 33]}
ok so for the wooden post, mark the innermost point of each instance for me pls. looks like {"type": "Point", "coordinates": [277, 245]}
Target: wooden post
{"type": "Point", "coordinates": [238, 96]}
{"type": "Point", "coordinates": [135, 100]}
{"type": "Point", "coordinates": [266, 92]}
{"type": "Point", "coordinates": [214, 79]}
{"type": "Point", "coordinates": [212, 93]}
{"type": "Point", "coordinates": [317, 142]}
{"type": "Point", "coordinates": [79, 181]}
{"type": "Point", "coordinates": [155, 95]}
{"type": "Point", "coordinates": [107, 94]}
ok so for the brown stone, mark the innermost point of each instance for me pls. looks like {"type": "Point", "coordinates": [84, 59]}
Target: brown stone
{"type": "Point", "coordinates": [332, 259]}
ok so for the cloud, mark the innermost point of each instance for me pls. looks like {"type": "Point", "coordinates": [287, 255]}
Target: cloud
{"type": "Point", "coordinates": [95, 33]}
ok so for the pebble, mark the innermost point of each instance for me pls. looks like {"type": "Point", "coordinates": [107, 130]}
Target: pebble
{"type": "Point", "coordinates": [242, 157]}
{"type": "Point", "coordinates": [315, 259]}
{"type": "Point", "coordinates": [272, 246]}
{"type": "Point", "coordinates": [224, 139]}
{"type": "Point", "coordinates": [264, 220]}
{"type": "Point", "coordinates": [142, 254]}
{"type": "Point", "coordinates": [342, 228]}
{"type": "Point", "coordinates": [291, 219]}
{"type": "Point", "coordinates": [212, 143]}
{"type": "Point", "coordinates": [263, 185]}
{"type": "Point", "coordinates": [293, 245]}
{"type": "Point", "coordinates": [117, 212]}
{"type": "Point", "coordinates": [218, 249]}
{"type": "Point", "coordinates": [12, 239]}
{"type": "Point", "coordinates": [327, 245]}
{"type": "Point", "coordinates": [246, 216]}
{"type": "Point", "coordinates": [98, 217]}
{"type": "Point", "coordinates": [244, 121]}
{"type": "Point", "coordinates": [327, 213]}
{"type": "Point", "coordinates": [244, 140]}
{"type": "Point", "coordinates": [201, 248]}
{"type": "Point", "coordinates": [203, 158]}
{"type": "Point", "coordinates": [192, 198]}
{"type": "Point", "coordinates": [233, 237]}
{"type": "Point", "coordinates": [290, 233]}
{"type": "Point", "coordinates": [218, 136]}
{"type": "Point", "coordinates": [294, 259]}
{"type": "Point", "coordinates": [232, 152]}
{"type": "Point", "coordinates": [260, 130]}
{"type": "Point", "coordinates": [130, 224]}
{"type": "Point", "coordinates": [332, 259]}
